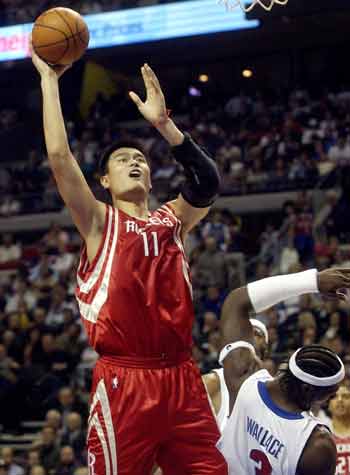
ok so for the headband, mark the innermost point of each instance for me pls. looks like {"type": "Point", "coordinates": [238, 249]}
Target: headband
{"type": "Point", "coordinates": [234, 346]}
{"type": "Point", "coordinates": [315, 380]}
{"type": "Point", "coordinates": [258, 324]}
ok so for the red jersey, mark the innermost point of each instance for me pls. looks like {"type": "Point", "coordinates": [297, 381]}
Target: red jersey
{"type": "Point", "coordinates": [135, 297]}
{"type": "Point", "coordinates": [343, 455]}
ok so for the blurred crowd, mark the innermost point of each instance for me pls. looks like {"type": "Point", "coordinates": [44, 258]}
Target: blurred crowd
{"type": "Point", "coordinates": [22, 11]}
{"type": "Point", "coordinates": [262, 143]}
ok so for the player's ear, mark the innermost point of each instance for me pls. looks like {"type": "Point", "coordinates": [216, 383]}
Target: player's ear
{"type": "Point", "coordinates": [104, 180]}
{"type": "Point", "coordinates": [307, 392]}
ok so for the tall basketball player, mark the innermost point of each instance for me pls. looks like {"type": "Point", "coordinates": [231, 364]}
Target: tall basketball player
{"type": "Point", "coordinates": [148, 400]}
{"type": "Point", "coordinates": [339, 407]}
{"type": "Point", "coordinates": [215, 380]}
{"type": "Point", "coordinates": [270, 429]}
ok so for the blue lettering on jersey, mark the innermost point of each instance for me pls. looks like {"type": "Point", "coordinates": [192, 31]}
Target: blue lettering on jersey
{"type": "Point", "coordinates": [268, 441]}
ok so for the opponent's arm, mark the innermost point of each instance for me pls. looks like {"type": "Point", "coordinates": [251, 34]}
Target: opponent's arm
{"type": "Point", "coordinates": [320, 454]}
{"type": "Point", "coordinates": [202, 177]}
{"type": "Point", "coordinates": [259, 296]}
{"type": "Point", "coordinates": [235, 327]}
{"type": "Point", "coordinates": [86, 211]}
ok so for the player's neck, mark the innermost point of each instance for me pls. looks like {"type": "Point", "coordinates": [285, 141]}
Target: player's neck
{"type": "Point", "coordinates": [280, 398]}
{"type": "Point", "coordinates": [341, 427]}
{"type": "Point", "coordinates": [135, 209]}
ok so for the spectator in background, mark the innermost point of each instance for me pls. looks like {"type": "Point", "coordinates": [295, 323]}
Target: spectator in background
{"type": "Point", "coordinates": [81, 471]}
{"type": "Point", "coordinates": [67, 464]}
{"type": "Point", "coordinates": [340, 151]}
{"type": "Point", "coordinates": [9, 206]}
{"type": "Point", "coordinates": [303, 229]}
{"type": "Point", "coordinates": [67, 402]}
{"type": "Point", "coordinates": [339, 407]}
{"type": "Point", "coordinates": [211, 268]}
{"type": "Point", "coordinates": [289, 255]}
{"type": "Point", "coordinates": [8, 366]}
{"type": "Point", "coordinates": [58, 305]}
{"type": "Point", "coordinates": [38, 470]}
{"type": "Point", "coordinates": [69, 341]}
{"type": "Point", "coordinates": [48, 448]}
{"type": "Point", "coordinates": [20, 292]}
{"type": "Point", "coordinates": [216, 228]}
{"type": "Point", "coordinates": [63, 260]}
{"type": "Point", "coordinates": [11, 467]}
{"type": "Point", "coordinates": [33, 459]}
{"type": "Point", "coordinates": [54, 419]}
{"type": "Point", "coordinates": [74, 434]}
{"type": "Point", "coordinates": [42, 276]}
{"type": "Point", "coordinates": [55, 236]}
{"type": "Point", "coordinates": [9, 250]}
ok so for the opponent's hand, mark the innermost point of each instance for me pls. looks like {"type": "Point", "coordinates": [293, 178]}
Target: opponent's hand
{"type": "Point", "coordinates": [154, 108]}
{"type": "Point", "coordinates": [334, 283]}
{"type": "Point", "coordinates": [43, 68]}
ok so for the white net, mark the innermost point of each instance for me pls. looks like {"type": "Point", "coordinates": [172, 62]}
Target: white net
{"type": "Point", "coordinates": [266, 5]}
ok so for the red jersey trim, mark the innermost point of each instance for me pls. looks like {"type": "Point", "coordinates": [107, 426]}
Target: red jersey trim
{"type": "Point", "coordinates": [85, 268]}
{"type": "Point", "coordinates": [92, 295]}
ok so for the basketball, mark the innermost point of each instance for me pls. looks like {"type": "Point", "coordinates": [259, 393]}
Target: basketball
{"type": "Point", "coordinates": [60, 36]}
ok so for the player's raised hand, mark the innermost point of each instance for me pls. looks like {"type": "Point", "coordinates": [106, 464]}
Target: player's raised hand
{"type": "Point", "coordinates": [43, 68]}
{"type": "Point", "coordinates": [334, 283]}
{"type": "Point", "coordinates": [154, 108]}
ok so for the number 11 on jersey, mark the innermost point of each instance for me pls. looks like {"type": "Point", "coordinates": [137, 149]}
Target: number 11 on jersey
{"type": "Point", "coordinates": [155, 244]}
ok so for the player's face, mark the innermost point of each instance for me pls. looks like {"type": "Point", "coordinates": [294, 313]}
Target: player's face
{"type": "Point", "coordinates": [324, 395]}
{"type": "Point", "coordinates": [260, 343]}
{"type": "Point", "coordinates": [128, 177]}
{"type": "Point", "coordinates": [339, 405]}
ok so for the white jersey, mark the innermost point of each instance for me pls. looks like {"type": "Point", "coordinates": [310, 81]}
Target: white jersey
{"type": "Point", "coordinates": [259, 436]}
{"type": "Point", "coordinates": [224, 411]}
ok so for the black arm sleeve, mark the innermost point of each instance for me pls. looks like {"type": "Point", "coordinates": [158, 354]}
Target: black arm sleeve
{"type": "Point", "coordinates": [202, 176]}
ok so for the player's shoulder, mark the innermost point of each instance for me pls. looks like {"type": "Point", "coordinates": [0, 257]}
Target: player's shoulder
{"type": "Point", "coordinates": [165, 214]}
{"type": "Point", "coordinates": [319, 455]}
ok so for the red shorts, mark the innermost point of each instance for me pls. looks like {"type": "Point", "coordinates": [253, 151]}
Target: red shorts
{"type": "Point", "coordinates": [160, 415]}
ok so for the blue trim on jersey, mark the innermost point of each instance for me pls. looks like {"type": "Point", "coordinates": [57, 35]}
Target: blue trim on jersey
{"type": "Point", "coordinates": [265, 396]}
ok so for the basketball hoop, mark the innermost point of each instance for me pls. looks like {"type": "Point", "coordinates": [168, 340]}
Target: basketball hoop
{"type": "Point", "coordinates": [267, 5]}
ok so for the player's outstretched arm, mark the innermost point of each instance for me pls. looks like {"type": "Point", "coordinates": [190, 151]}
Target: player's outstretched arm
{"type": "Point", "coordinates": [320, 454]}
{"type": "Point", "coordinates": [86, 211]}
{"type": "Point", "coordinates": [202, 177]}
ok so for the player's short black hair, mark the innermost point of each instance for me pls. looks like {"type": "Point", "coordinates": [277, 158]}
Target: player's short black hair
{"type": "Point", "coordinates": [107, 152]}
{"type": "Point", "coordinates": [315, 360]}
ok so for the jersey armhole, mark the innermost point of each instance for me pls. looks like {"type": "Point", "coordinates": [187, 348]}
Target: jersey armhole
{"type": "Point", "coordinates": [85, 268]}
{"type": "Point", "coordinates": [167, 207]}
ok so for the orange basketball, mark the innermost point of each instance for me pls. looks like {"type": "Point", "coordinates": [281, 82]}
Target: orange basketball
{"type": "Point", "coordinates": [60, 36]}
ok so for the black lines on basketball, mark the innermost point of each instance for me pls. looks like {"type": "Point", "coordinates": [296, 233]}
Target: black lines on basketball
{"type": "Point", "coordinates": [85, 31]}
{"type": "Point", "coordinates": [74, 47]}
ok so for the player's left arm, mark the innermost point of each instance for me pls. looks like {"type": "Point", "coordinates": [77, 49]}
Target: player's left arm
{"type": "Point", "coordinates": [235, 327]}
{"type": "Point", "coordinates": [201, 186]}
{"type": "Point", "coordinates": [202, 177]}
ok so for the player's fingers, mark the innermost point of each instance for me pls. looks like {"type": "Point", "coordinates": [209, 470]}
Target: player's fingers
{"type": "Point", "coordinates": [155, 88]}
{"type": "Point", "coordinates": [344, 270]}
{"type": "Point", "coordinates": [153, 76]}
{"type": "Point", "coordinates": [60, 70]}
{"type": "Point", "coordinates": [147, 79]}
{"type": "Point", "coordinates": [135, 98]}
